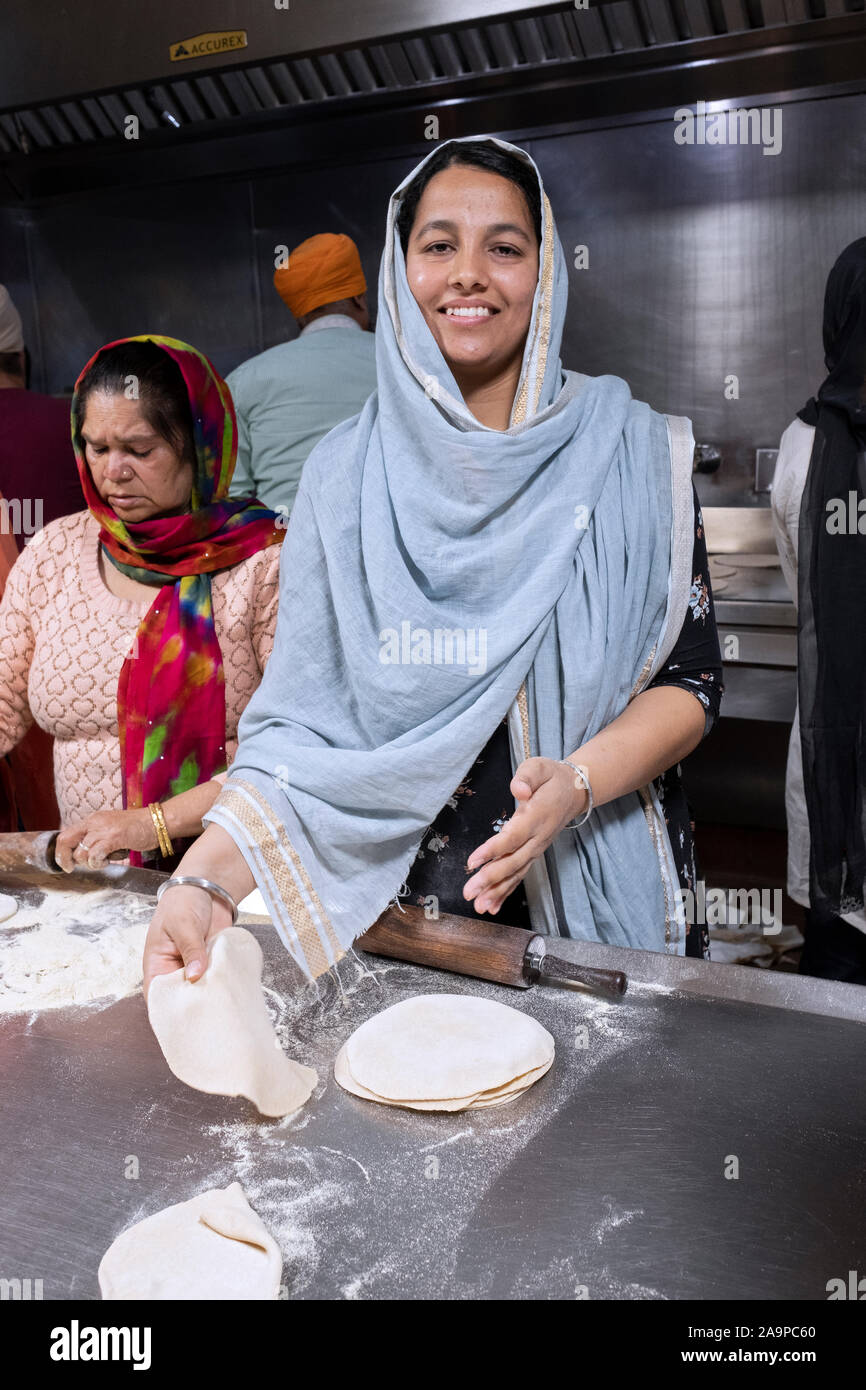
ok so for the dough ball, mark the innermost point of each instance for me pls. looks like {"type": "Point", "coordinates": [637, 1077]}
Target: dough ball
{"type": "Point", "coordinates": [212, 1247]}
{"type": "Point", "coordinates": [445, 1052]}
{"type": "Point", "coordinates": [8, 907]}
{"type": "Point", "coordinates": [216, 1035]}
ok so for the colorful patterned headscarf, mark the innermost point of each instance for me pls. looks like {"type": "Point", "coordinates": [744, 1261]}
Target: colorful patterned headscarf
{"type": "Point", "coordinates": [171, 693]}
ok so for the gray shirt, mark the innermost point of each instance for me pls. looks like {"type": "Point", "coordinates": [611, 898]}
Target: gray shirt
{"type": "Point", "coordinates": [289, 397]}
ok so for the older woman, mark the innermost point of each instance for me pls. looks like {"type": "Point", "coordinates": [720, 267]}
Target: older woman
{"type": "Point", "coordinates": [491, 577]}
{"type": "Point", "coordinates": [135, 632]}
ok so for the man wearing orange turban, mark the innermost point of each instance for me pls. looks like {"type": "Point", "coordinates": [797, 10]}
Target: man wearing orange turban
{"type": "Point", "coordinates": [289, 397]}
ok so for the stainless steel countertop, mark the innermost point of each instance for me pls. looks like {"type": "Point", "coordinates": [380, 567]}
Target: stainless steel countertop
{"type": "Point", "coordinates": [608, 1176]}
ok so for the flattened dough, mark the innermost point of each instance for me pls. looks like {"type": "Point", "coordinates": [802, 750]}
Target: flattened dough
{"type": "Point", "coordinates": [500, 1096]}
{"type": "Point", "coordinates": [444, 1052]}
{"type": "Point", "coordinates": [214, 1247]}
{"type": "Point", "coordinates": [438, 1046]}
{"type": "Point", "coordinates": [216, 1034]}
{"type": "Point", "coordinates": [8, 907]}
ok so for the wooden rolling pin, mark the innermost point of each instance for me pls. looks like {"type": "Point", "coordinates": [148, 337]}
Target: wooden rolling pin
{"type": "Point", "coordinates": [487, 950]}
{"type": "Point", "coordinates": [34, 849]}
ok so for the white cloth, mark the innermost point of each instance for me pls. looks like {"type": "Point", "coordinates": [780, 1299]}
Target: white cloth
{"type": "Point", "coordinates": [11, 332]}
{"type": "Point", "coordinates": [330, 321]}
{"type": "Point", "coordinates": [789, 480]}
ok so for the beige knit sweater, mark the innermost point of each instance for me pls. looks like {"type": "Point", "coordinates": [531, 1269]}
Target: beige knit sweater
{"type": "Point", "coordinates": [64, 638]}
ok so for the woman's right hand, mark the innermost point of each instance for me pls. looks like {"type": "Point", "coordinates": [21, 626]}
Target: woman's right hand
{"type": "Point", "coordinates": [188, 918]}
{"type": "Point", "coordinates": [181, 930]}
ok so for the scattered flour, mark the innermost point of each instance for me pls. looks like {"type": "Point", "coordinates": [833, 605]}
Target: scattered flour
{"type": "Point", "coordinates": [334, 1182]}
{"type": "Point", "coordinates": [72, 948]}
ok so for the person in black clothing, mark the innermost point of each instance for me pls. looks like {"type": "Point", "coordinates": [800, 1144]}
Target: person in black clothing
{"type": "Point", "coordinates": [482, 803]}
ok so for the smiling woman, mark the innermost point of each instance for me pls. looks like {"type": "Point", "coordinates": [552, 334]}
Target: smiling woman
{"type": "Point", "coordinates": [135, 632]}
{"type": "Point", "coordinates": [470, 233]}
{"type": "Point", "coordinates": [483, 490]}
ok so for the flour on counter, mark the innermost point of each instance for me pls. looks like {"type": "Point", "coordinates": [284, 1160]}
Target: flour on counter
{"type": "Point", "coordinates": [73, 948]}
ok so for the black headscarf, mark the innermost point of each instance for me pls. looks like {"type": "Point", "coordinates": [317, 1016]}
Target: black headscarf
{"type": "Point", "coordinates": [832, 598]}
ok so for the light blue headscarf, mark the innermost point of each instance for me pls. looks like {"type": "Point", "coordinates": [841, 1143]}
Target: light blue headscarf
{"type": "Point", "coordinates": [552, 539]}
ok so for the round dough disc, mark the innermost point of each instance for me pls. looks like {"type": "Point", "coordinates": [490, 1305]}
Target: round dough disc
{"type": "Point", "coordinates": [436, 1047]}
{"type": "Point", "coordinates": [500, 1096]}
{"type": "Point", "coordinates": [8, 907]}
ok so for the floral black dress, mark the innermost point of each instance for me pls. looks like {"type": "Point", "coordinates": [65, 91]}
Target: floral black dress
{"type": "Point", "coordinates": [483, 803]}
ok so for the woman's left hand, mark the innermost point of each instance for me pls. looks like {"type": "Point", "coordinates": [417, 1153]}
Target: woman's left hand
{"type": "Point", "coordinates": [91, 841]}
{"type": "Point", "coordinates": [549, 796]}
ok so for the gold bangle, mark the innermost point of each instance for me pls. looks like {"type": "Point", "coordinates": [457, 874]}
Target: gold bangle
{"type": "Point", "coordinates": [166, 848]}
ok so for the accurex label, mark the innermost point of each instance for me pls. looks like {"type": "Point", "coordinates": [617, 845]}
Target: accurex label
{"type": "Point", "coordinates": [208, 45]}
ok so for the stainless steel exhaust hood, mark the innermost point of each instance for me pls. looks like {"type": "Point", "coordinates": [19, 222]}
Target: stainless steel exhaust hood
{"type": "Point", "coordinates": [55, 49]}
{"type": "Point", "coordinates": [70, 77]}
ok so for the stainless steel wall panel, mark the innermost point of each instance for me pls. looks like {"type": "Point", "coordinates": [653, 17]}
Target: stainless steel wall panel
{"type": "Point", "coordinates": [124, 263]}
{"type": "Point", "coordinates": [287, 209]}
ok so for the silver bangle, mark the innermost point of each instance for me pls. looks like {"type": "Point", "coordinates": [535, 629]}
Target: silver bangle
{"type": "Point", "coordinates": [205, 883]}
{"type": "Point", "coordinates": [583, 778]}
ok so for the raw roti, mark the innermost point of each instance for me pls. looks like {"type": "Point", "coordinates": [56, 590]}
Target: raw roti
{"type": "Point", "coordinates": [212, 1247]}
{"type": "Point", "coordinates": [438, 1047]}
{"type": "Point", "coordinates": [216, 1034]}
{"type": "Point", "coordinates": [8, 907]}
{"type": "Point", "coordinates": [501, 1096]}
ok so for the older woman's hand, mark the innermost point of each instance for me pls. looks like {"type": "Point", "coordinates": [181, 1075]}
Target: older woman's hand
{"type": "Point", "coordinates": [186, 920]}
{"type": "Point", "coordinates": [91, 841]}
{"type": "Point", "coordinates": [550, 796]}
